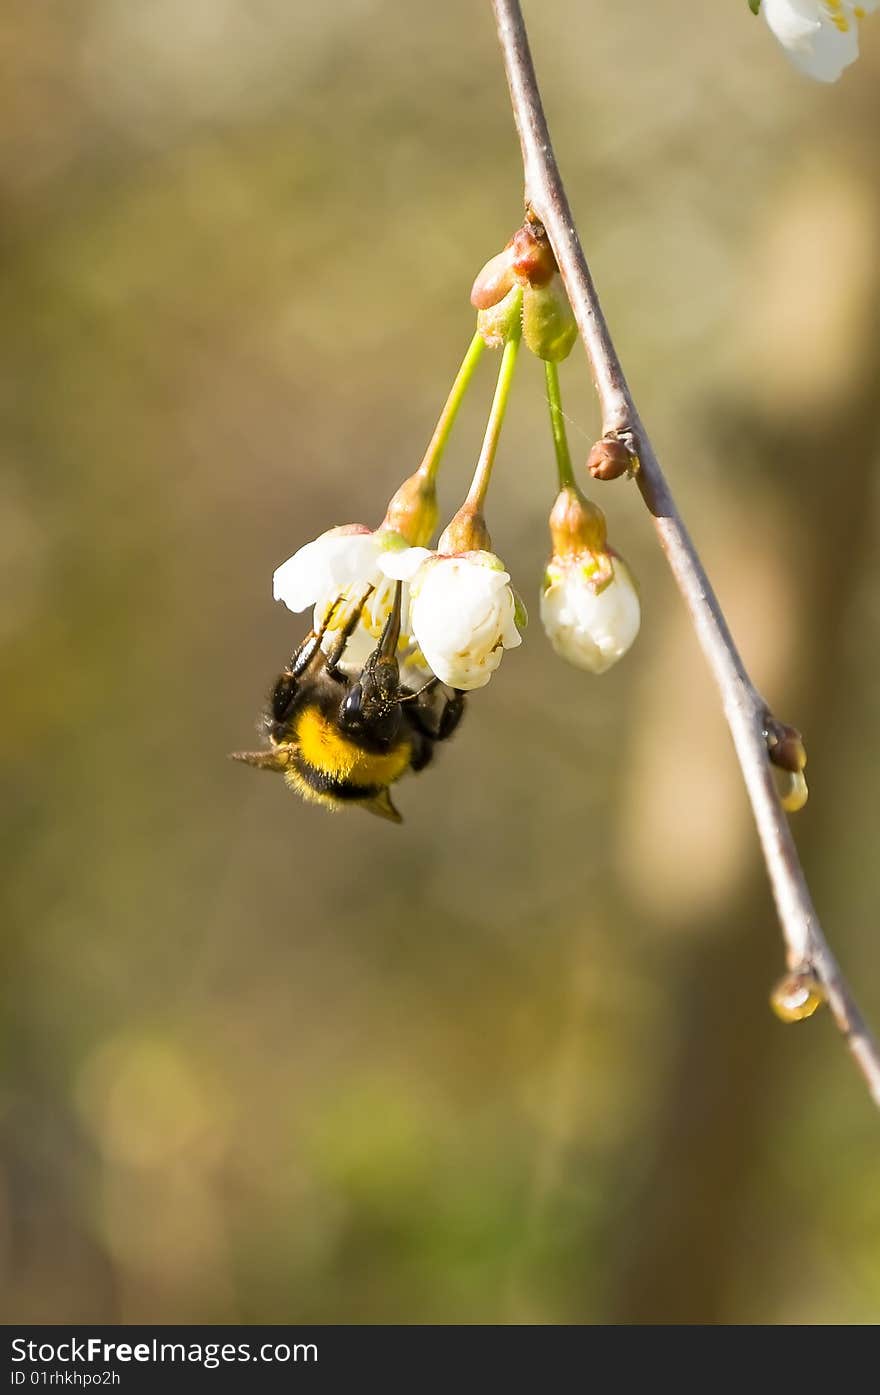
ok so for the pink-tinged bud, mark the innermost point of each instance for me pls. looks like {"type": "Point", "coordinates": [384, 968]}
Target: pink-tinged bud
{"type": "Point", "coordinates": [610, 458]}
{"type": "Point", "coordinates": [797, 996]}
{"type": "Point", "coordinates": [494, 281]}
{"type": "Point", "coordinates": [533, 259]}
{"type": "Point", "coordinates": [466, 532]}
{"type": "Point", "coordinates": [527, 260]}
{"type": "Point", "coordinates": [412, 511]}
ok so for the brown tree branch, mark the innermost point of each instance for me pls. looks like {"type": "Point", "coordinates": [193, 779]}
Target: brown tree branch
{"type": "Point", "coordinates": [746, 712]}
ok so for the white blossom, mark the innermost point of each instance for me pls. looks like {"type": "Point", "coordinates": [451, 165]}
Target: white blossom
{"type": "Point", "coordinates": [589, 628]}
{"type": "Point", "coordinates": [462, 612]}
{"type": "Point", "coordinates": [821, 37]}
{"type": "Point", "coordinates": [339, 568]}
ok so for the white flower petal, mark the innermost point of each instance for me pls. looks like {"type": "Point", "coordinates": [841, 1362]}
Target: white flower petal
{"type": "Point", "coordinates": [820, 37]}
{"type": "Point", "coordinates": [792, 21]}
{"type": "Point", "coordinates": [332, 561]}
{"type": "Point", "coordinates": [402, 565]}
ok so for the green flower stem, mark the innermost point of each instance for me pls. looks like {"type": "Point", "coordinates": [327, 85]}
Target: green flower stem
{"type": "Point", "coordinates": [557, 426]}
{"type": "Point", "coordinates": [483, 473]}
{"type": "Point", "coordinates": [437, 444]}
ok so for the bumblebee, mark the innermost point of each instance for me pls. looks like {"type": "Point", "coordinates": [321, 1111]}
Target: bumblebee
{"type": "Point", "coordinates": [342, 739]}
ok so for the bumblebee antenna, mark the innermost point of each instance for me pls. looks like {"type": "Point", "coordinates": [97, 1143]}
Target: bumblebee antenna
{"type": "Point", "coordinates": [411, 697]}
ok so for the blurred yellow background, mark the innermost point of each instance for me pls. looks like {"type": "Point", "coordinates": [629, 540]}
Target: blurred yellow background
{"type": "Point", "coordinates": [512, 1062]}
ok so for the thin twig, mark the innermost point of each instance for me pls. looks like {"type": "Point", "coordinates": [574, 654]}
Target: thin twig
{"type": "Point", "coordinates": [746, 712]}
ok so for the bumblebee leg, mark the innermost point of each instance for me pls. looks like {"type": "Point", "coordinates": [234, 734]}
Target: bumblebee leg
{"type": "Point", "coordinates": [286, 687]}
{"type": "Point", "coordinates": [310, 645]}
{"type": "Point", "coordinates": [424, 717]}
{"type": "Point", "coordinates": [422, 751]}
{"type": "Point", "coordinates": [335, 654]}
{"type": "Point", "coordinates": [451, 715]}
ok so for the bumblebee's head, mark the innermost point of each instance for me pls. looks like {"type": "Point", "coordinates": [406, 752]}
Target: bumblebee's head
{"type": "Point", "coordinates": [371, 706]}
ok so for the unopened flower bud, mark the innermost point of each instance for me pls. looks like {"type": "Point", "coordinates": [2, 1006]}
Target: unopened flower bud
{"type": "Point", "coordinates": [412, 511]}
{"type": "Point", "coordinates": [495, 280]}
{"type": "Point", "coordinates": [589, 603]}
{"type": "Point", "coordinates": [797, 996]}
{"type": "Point", "coordinates": [549, 326]}
{"type": "Point", "coordinates": [532, 256]}
{"type": "Point", "coordinates": [786, 747]}
{"type": "Point", "coordinates": [610, 458]}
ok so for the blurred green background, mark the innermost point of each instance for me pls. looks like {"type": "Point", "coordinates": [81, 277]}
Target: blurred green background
{"type": "Point", "coordinates": [512, 1062]}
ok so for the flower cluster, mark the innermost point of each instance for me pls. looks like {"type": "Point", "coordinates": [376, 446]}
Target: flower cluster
{"type": "Point", "coordinates": [403, 626]}
{"type": "Point", "coordinates": [459, 612]}
{"type": "Point", "coordinates": [397, 618]}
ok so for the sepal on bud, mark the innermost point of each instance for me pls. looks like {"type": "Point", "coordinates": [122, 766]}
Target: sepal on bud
{"type": "Point", "coordinates": [577, 526]}
{"type": "Point", "coordinates": [466, 532]}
